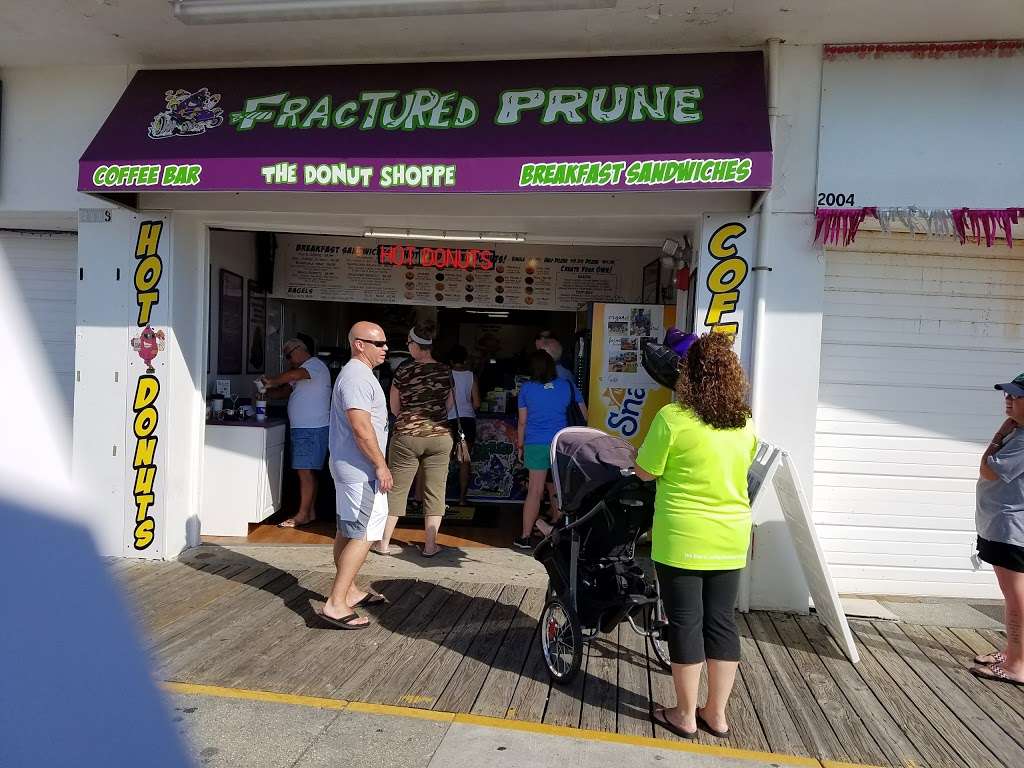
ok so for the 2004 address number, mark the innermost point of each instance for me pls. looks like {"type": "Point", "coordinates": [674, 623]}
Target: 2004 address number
{"type": "Point", "coordinates": [831, 200]}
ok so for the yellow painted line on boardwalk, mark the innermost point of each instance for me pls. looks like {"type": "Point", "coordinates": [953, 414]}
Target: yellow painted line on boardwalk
{"type": "Point", "coordinates": [242, 693]}
{"type": "Point", "coordinates": [387, 709]}
{"type": "Point", "coordinates": [507, 725]}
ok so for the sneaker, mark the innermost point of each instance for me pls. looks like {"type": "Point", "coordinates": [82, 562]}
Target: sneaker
{"type": "Point", "coordinates": [522, 542]}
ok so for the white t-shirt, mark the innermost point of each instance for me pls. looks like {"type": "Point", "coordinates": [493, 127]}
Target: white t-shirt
{"type": "Point", "coordinates": [356, 387]}
{"type": "Point", "coordinates": [309, 406]}
{"type": "Point", "coordinates": [463, 396]}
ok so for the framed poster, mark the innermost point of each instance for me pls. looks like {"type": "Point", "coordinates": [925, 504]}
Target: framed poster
{"type": "Point", "coordinates": [229, 324]}
{"type": "Point", "coordinates": [256, 356]}
{"type": "Point", "coordinates": [651, 293]}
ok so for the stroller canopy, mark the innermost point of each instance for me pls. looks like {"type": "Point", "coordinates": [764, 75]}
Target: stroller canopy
{"type": "Point", "coordinates": [583, 460]}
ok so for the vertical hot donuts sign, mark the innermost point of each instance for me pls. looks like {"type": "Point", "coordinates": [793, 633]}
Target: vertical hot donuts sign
{"type": "Point", "coordinates": [144, 396]}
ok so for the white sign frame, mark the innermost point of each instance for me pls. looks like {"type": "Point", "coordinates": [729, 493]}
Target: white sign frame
{"type": "Point", "coordinates": [775, 466]}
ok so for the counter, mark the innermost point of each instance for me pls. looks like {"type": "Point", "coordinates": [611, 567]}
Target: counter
{"type": "Point", "coordinates": [243, 466]}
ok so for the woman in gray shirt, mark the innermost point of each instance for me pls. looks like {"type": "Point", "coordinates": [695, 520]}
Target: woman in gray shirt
{"type": "Point", "coordinates": [999, 518]}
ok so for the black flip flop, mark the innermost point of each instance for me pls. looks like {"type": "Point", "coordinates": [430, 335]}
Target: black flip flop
{"type": "Point", "coordinates": [702, 723]}
{"type": "Point", "coordinates": [435, 553]}
{"type": "Point", "coordinates": [668, 725]}
{"type": "Point", "coordinates": [345, 622]}
{"type": "Point", "coordinates": [294, 526]}
{"type": "Point", "coordinates": [371, 598]}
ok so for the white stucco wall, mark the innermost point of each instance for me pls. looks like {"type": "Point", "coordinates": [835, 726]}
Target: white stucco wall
{"type": "Point", "coordinates": [50, 114]}
{"type": "Point", "coordinates": [938, 133]}
{"type": "Point", "coordinates": [791, 332]}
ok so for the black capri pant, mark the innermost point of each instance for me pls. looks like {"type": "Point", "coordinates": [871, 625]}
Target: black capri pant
{"type": "Point", "coordinates": [700, 610]}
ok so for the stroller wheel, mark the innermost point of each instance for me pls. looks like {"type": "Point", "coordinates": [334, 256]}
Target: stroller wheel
{"type": "Point", "coordinates": [561, 640]}
{"type": "Point", "coordinates": [658, 643]}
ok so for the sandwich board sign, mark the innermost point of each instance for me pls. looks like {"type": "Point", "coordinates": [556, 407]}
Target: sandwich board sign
{"type": "Point", "coordinates": [773, 467]}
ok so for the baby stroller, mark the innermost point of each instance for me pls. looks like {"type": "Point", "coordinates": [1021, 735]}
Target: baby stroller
{"type": "Point", "coordinates": [595, 582]}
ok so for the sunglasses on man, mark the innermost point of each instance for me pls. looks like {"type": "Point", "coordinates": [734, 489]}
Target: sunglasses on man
{"type": "Point", "coordinates": [377, 344]}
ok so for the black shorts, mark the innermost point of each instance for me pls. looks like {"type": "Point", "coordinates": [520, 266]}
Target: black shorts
{"type": "Point", "coordinates": [1008, 556]}
{"type": "Point", "coordinates": [468, 429]}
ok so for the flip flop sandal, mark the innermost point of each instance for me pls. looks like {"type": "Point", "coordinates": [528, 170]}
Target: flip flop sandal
{"type": "Point", "coordinates": [435, 553]}
{"type": "Point", "coordinates": [990, 658]}
{"type": "Point", "coordinates": [997, 673]}
{"type": "Point", "coordinates": [668, 725]}
{"type": "Point", "coordinates": [284, 523]}
{"type": "Point", "coordinates": [702, 723]}
{"type": "Point", "coordinates": [371, 598]}
{"type": "Point", "coordinates": [345, 622]}
{"type": "Point", "coordinates": [393, 550]}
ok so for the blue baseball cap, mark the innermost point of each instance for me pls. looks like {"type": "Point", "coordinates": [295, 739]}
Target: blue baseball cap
{"type": "Point", "coordinates": [1015, 387]}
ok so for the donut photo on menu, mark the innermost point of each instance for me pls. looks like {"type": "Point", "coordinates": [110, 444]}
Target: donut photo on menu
{"type": "Point", "coordinates": [499, 279]}
{"type": "Point", "coordinates": [469, 297]}
{"type": "Point", "coordinates": [499, 299]}
{"type": "Point", "coordinates": [500, 268]}
{"type": "Point", "coordinates": [529, 299]}
{"type": "Point", "coordinates": [439, 297]}
{"type": "Point", "coordinates": [529, 281]}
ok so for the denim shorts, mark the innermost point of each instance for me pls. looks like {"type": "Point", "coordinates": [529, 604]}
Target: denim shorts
{"type": "Point", "coordinates": [309, 447]}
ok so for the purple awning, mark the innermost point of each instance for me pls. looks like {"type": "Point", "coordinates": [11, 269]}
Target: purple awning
{"type": "Point", "coordinates": [694, 121]}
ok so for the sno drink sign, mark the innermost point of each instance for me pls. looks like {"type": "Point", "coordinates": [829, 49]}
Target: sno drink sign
{"type": "Point", "coordinates": [694, 121]}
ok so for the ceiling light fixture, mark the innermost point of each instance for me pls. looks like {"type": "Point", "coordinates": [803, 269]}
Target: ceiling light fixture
{"type": "Point", "coordinates": [244, 11]}
{"type": "Point", "coordinates": [447, 234]}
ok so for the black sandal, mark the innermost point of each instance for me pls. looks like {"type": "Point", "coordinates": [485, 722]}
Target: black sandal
{"type": "Point", "coordinates": [345, 622]}
{"type": "Point", "coordinates": [371, 598]}
{"type": "Point", "coordinates": [668, 725]}
{"type": "Point", "coordinates": [702, 723]}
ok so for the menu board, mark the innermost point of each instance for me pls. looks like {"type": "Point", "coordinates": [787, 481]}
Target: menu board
{"type": "Point", "coordinates": [455, 275]}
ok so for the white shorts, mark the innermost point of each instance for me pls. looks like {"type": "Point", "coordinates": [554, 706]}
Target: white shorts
{"type": "Point", "coordinates": [362, 512]}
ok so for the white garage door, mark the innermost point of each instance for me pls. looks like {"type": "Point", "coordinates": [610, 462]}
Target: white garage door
{"type": "Point", "coordinates": [915, 333]}
{"type": "Point", "coordinates": [46, 268]}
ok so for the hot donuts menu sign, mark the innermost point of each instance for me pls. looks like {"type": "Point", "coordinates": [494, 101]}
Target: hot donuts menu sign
{"type": "Point", "coordinates": [513, 277]}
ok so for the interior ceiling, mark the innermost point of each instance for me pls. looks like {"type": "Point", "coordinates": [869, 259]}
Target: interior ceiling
{"type": "Point", "coordinates": [144, 33]}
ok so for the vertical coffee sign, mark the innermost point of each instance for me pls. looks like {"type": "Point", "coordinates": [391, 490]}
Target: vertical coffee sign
{"type": "Point", "coordinates": [725, 278]}
{"type": "Point", "coordinates": [147, 394]}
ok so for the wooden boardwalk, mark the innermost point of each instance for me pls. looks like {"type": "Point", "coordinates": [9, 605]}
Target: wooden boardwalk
{"type": "Point", "coordinates": [229, 620]}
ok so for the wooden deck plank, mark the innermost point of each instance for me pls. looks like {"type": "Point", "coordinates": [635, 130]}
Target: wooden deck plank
{"type": "Point", "coordinates": [176, 592]}
{"type": "Point", "coordinates": [779, 728]}
{"type": "Point", "coordinates": [565, 702]}
{"type": "Point", "coordinates": [898, 748]}
{"type": "Point", "coordinates": [600, 691]}
{"type": "Point", "coordinates": [215, 587]}
{"type": "Point", "coordinates": [382, 662]}
{"type": "Point", "coordinates": [498, 677]}
{"type": "Point", "coordinates": [530, 698]}
{"type": "Point", "coordinates": [332, 654]}
{"type": "Point", "coordinates": [198, 623]}
{"type": "Point", "coordinates": [428, 686]}
{"type": "Point", "coordinates": [815, 729]}
{"type": "Point", "coordinates": [855, 737]}
{"type": "Point", "coordinates": [974, 689]}
{"type": "Point", "coordinates": [270, 653]}
{"type": "Point", "coordinates": [745, 731]}
{"type": "Point", "coordinates": [990, 737]}
{"type": "Point", "coordinates": [962, 654]}
{"type": "Point", "coordinates": [197, 651]}
{"type": "Point", "coordinates": [412, 656]}
{"type": "Point", "coordinates": [633, 705]}
{"type": "Point", "coordinates": [936, 732]}
{"type": "Point", "coordinates": [485, 652]}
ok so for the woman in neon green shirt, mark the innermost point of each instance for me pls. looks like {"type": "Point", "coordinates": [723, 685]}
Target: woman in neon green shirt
{"type": "Point", "coordinates": [699, 450]}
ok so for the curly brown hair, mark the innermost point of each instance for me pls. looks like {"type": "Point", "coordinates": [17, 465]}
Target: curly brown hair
{"type": "Point", "coordinates": [712, 383]}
